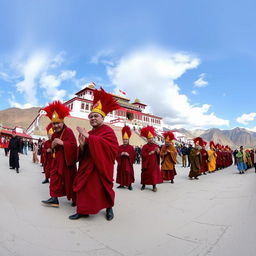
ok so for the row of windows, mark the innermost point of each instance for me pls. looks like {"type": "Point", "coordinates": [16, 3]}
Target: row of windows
{"type": "Point", "coordinates": [138, 117]}
{"type": "Point", "coordinates": [84, 93]}
{"type": "Point", "coordinates": [86, 106]}
{"type": "Point", "coordinates": [70, 106]}
{"type": "Point", "coordinates": [153, 120]}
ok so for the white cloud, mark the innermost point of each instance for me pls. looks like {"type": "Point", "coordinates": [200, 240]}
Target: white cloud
{"type": "Point", "coordinates": [57, 60]}
{"type": "Point", "coordinates": [14, 104]}
{"type": "Point", "coordinates": [201, 82]}
{"type": "Point", "coordinates": [150, 75]}
{"type": "Point", "coordinates": [253, 129]}
{"type": "Point", "coordinates": [101, 57]}
{"type": "Point", "coordinates": [37, 73]}
{"type": "Point", "coordinates": [246, 118]}
{"type": "Point", "coordinates": [4, 76]}
{"type": "Point", "coordinates": [30, 70]}
{"type": "Point", "coordinates": [67, 74]}
{"type": "Point", "coordinates": [194, 92]}
{"type": "Point", "coordinates": [51, 84]}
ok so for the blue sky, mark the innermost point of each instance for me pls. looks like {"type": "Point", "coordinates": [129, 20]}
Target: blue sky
{"type": "Point", "coordinates": [193, 62]}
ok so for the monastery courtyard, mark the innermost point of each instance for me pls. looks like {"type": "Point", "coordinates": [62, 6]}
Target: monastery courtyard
{"type": "Point", "coordinates": [213, 216]}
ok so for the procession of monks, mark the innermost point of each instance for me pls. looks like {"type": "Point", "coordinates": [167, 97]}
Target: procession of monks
{"type": "Point", "coordinates": [203, 161]}
{"type": "Point", "coordinates": [84, 173]}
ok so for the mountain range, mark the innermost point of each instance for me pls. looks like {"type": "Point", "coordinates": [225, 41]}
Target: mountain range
{"type": "Point", "coordinates": [236, 137]}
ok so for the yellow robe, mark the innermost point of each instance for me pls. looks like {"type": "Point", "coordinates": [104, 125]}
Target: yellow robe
{"type": "Point", "coordinates": [212, 160]}
{"type": "Point", "coordinates": [169, 160]}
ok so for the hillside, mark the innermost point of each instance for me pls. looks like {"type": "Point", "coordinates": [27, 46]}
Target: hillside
{"type": "Point", "coordinates": [12, 117]}
{"type": "Point", "coordinates": [218, 137]}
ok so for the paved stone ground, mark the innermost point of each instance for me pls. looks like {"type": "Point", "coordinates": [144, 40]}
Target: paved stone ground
{"type": "Point", "coordinates": [212, 216]}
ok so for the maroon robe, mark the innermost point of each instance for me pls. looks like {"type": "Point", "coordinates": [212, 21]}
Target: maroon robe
{"type": "Point", "coordinates": [219, 160]}
{"type": "Point", "coordinates": [42, 155]}
{"type": "Point", "coordinates": [47, 158]}
{"type": "Point", "coordinates": [204, 164]}
{"type": "Point", "coordinates": [94, 181]}
{"type": "Point", "coordinates": [63, 167]}
{"type": "Point", "coordinates": [150, 172]}
{"type": "Point", "coordinates": [224, 159]}
{"type": "Point", "coordinates": [125, 172]}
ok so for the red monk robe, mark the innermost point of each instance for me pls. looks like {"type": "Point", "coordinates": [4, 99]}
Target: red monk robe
{"type": "Point", "coordinates": [94, 180]}
{"type": "Point", "coordinates": [47, 158]}
{"type": "Point", "coordinates": [125, 172]}
{"type": "Point", "coordinates": [64, 169]}
{"type": "Point", "coordinates": [224, 159]}
{"type": "Point", "coordinates": [219, 160]}
{"type": "Point", "coordinates": [150, 172]}
{"type": "Point", "coordinates": [204, 164]}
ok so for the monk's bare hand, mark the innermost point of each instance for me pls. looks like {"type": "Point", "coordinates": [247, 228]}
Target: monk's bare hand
{"type": "Point", "coordinates": [81, 140]}
{"type": "Point", "coordinates": [82, 131]}
{"type": "Point", "coordinates": [56, 142]}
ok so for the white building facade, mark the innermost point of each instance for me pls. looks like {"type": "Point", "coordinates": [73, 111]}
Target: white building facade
{"type": "Point", "coordinates": [132, 114]}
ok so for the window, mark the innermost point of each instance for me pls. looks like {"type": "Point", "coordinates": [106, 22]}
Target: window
{"type": "Point", "coordinates": [87, 106]}
{"type": "Point", "coordinates": [82, 105]}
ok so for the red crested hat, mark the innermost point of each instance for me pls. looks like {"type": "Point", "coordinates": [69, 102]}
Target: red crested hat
{"type": "Point", "coordinates": [169, 136]}
{"type": "Point", "coordinates": [49, 128]}
{"type": "Point", "coordinates": [204, 143]}
{"type": "Point", "coordinates": [126, 132]}
{"type": "Point", "coordinates": [56, 111]}
{"type": "Point", "coordinates": [148, 132]}
{"type": "Point", "coordinates": [217, 145]}
{"type": "Point", "coordinates": [198, 140]}
{"type": "Point", "coordinates": [212, 144]}
{"type": "Point", "coordinates": [103, 102]}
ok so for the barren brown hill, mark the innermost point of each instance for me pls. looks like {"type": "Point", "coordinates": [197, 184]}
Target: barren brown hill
{"type": "Point", "coordinates": [12, 117]}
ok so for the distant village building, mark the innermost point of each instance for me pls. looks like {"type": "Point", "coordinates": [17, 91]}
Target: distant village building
{"type": "Point", "coordinates": [6, 131]}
